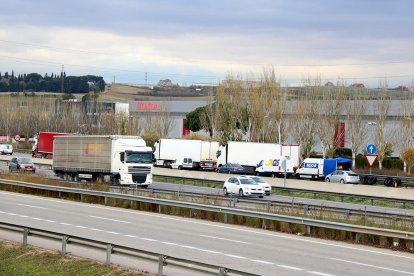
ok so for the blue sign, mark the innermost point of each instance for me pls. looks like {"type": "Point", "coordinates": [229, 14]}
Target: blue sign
{"type": "Point", "coordinates": [371, 149]}
{"type": "Point", "coordinates": [311, 165]}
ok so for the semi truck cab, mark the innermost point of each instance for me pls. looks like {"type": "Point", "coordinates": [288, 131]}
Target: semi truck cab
{"type": "Point", "coordinates": [133, 167]}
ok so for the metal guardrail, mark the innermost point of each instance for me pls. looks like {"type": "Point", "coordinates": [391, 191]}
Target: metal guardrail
{"type": "Point", "coordinates": [226, 211]}
{"type": "Point", "coordinates": [111, 248]}
{"type": "Point", "coordinates": [403, 202]}
{"type": "Point", "coordinates": [293, 204]}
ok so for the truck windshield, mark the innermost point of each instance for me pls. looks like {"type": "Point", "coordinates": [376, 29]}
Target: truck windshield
{"type": "Point", "coordinates": [138, 157]}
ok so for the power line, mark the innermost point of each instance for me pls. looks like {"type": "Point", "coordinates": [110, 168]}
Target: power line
{"type": "Point", "coordinates": [81, 51]}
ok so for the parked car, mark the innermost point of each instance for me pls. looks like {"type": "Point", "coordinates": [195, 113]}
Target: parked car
{"type": "Point", "coordinates": [182, 163]}
{"type": "Point", "coordinates": [231, 168]}
{"type": "Point", "coordinates": [6, 149]}
{"type": "Point", "coordinates": [343, 177]}
{"type": "Point", "coordinates": [21, 164]}
{"type": "Point", "coordinates": [242, 186]}
{"type": "Point", "coordinates": [266, 186]}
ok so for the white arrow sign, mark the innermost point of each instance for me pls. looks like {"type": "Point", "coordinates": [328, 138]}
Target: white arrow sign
{"type": "Point", "coordinates": [371, 158]}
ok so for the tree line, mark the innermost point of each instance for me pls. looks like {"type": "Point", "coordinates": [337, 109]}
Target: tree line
{"type": "Point", "coordinates": [263, 111]}
{"type": "Point", "coordinates": [57, 83]}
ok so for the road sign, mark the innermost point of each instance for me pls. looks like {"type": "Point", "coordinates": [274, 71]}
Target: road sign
{"type": "Point", "coordinates": [371, 158]}
{"type": "Point", "coordinates": [17, 137]}
{"type": "Point", "coordinates": [371, 149]}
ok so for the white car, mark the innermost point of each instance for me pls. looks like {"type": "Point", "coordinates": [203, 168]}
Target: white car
{"type": "Point", "coordinates": [6, 149]}
{"type": "Point", "coordinates": [266, 186]}
{"type": "Point", "coordinates": [342, 177]}
{"type": "Point", "coordinates": [242, 186]}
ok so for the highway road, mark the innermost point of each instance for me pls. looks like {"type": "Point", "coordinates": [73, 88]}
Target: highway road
{"type": "Point", "coordinates": [253, 250]}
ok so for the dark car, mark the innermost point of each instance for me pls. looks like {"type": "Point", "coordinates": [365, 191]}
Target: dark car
{"type": "Point", "coordinates": [231, 168]}
{"type": "Point", "coordinates": [21, 164]}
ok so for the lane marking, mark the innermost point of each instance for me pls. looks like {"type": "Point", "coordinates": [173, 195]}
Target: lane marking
{"type": "Point", "coordinates": [115, 220]}
{"type": "Point", "coordinates": [165, 217]}
{"type": "Point", "coordinates": [130, 236]}
{"type": "Point", "coordinates": [148, 239]}
{"type": "Point", "coordinates": [211, 251]}
{"type": "Point", "coordinates": [223, 239]}
{"type": "Point", "coordinates": [32, 206]}
{"type": "Point", "coordinates": [80, 226]}
{"type": "Point", "coordinates": [263, 262]}
{"type": "Point", "coordinates": [235, 256]}
{"type": "Point", "coordinates": [48, 220]}
{"type": "Point", "coordinates": [319, 273]}
{"type": "Point", "coordinates": [374, 266]}
{"type": "Point", "coordinates": [94, 229]}
{"type": "Point", "coordinates": [170, 243]}
{"type": "Point", "coordinates": [189, 247]}
{"type": "Point", "coordinates": [114, 233]}
{"type": "Point", "coordinates": [64, 223]}
{"type": "Point", "coordinates": [37, 218]}
{"type": "Point", "coordinates": [290, 267]}
{"type": "Point", "coordinates": [22, 216]}
{"type": "Point", "coordinates": [11, 214]}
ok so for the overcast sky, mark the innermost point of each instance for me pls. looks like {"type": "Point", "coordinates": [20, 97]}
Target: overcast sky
{"type": "Point", "coordinates": [203, 41]}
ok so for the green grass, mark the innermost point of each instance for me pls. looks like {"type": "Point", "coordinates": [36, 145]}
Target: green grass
{"type": "Point", "coordinates": [18, 260]}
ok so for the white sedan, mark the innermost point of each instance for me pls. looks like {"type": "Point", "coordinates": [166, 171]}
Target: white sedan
{"type": "Point", "coordinates": [242, 186]}
{"type": "Point", "coordinates": [266, 187]}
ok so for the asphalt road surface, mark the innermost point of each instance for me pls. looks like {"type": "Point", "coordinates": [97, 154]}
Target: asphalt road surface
{"type": "Point", "coordinates": [253, 250]}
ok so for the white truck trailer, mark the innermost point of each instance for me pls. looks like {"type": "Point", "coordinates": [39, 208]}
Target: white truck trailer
{"type": "Point", "coordinates": [121, 160]}
{"type": "Point", "coordinates": [249, 154]}
{"type": "Point", "coordinates": [203, 154]}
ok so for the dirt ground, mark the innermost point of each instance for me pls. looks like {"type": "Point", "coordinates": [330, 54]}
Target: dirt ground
{"type": "Point", "coordinates": [126, 93]}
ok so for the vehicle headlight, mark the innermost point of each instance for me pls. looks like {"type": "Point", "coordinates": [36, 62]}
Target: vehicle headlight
{"type": "Point", "coordinates": [21, 166]}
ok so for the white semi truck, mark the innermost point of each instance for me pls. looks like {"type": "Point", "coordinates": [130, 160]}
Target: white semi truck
{"type": "Point", "coordinates": [121, 160]}
{"type": "Point", "coordinates": [203, 154]}
{"type": "Point", "coordinates": [250, 155]}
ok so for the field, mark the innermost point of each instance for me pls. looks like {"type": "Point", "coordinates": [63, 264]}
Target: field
{"type": "Point", "coordinates": [127, 93]}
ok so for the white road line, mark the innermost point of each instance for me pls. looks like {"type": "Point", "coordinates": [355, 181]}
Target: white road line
{"type": "Point", "coordinates": [170, 243]}
{"type": "Point", "coordinates": [23, 216]}
{"type": "Point", "coordinates": [130, 236]}
{"type": "Point", "coordinates": [211, 251]}
{"type": "Point", "coordinates": [80, 226]}
{"type": "Point", "coordinates": [114, 233]}
{"type": "Point", "coordinates": [11, 214]}
{"type": "Point", "coordinates": [320, 273]}
{"type": "Point", "coordinates": [235, 256]}
{"type": "Point", "coordinates": [374, 266]}
{"type": "Point", "coordinates": [64, 223]}
{"type": "Point", "coordinates": [263, 262]}
{"type": "Point", "coordinates": [94, 229]}
{"type": "Point", "coordinates": [37, 218]}
{"type": "Point", "coordinates": [218, 238]}
{"type": "Point", "coordinates": [290, 267]}
{"type": "Point", "coordinates": [148, 239]}
{"type": "Point", "coordinates": [115, 220]}
{"type": "Point", "coordinates": [48, 220]}
{"type": "Point", "coordinates": [32, 206]}
{"type": "Point", "coordinates": [189, 247]}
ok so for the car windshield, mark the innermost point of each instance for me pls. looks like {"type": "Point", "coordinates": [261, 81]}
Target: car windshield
{"type": "Point", "coordinates": [247, 181]}
{"type": "Point", "coordinates": [25, 161]}
{"type": "Point", "coordinates": [258, 179]}
{"type": "Point", "coordinates": [236, 165]}
{"type": "Point", "coordinates": [138, 157]}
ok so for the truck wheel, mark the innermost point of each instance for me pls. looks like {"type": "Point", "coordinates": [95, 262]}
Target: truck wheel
{"type": "Point", "coordinates": [115, 181]}
{"type": "Point", "coordinates": [342, 181]}
{"type": "Point", "coordinates": [180, 167]}
{"type": "Point", "coordinates": [327, 179]}
{"type": "Point", "coordinates": [225, 192]}
{"type": "Point", "coordinates": [76, 177]}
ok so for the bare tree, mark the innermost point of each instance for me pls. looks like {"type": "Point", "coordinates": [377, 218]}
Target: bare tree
{"type": "Point", "coordinates": [382, 108]}
{"type": "Point", "coordinates": [355, 114]}
{"type": "Point", "coordinates": [406, 126]}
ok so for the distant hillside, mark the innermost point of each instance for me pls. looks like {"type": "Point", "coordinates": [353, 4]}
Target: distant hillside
{"type": "Point", "coordinates": [35, 82]}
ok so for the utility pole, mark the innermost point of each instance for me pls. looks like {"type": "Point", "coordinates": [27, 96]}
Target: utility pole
{"type": "Point", "coordinates": [146, 78]}
{"type": "Point", "coordinates": [62, 80]}
{"type": "Point", "coordinates": [114, 80]}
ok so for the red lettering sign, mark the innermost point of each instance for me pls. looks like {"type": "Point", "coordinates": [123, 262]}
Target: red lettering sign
{"type": "Point", "coordinates": [147, 106]}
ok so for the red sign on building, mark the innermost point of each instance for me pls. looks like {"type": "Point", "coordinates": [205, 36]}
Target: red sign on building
{"type": "Point", "coordinates": [147, 106]}
{"type": "Point", "coordinates": [339, 136]}
{"type": "Point", "coordinates": [185, 131]}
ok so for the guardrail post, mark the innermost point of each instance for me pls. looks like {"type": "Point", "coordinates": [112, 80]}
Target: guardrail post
{"type": "Point", "coordinates": [404, 205]}
{"type": "Point", "coordinates": [109, 249]}
{"type": "Point", "coordinates": [26, 232]}
{"type": "Point", "coordinates": [308, 230]}
{"type": "Point", "coordinates": [342, 198]}
{"type": "Point", "coordinates": [106, 200]}
{"type": "Point", "coordinates": [394, 220]}
{"type": "Point", "coordinates": [225, 217]}
{"type": "Point", "coordinates": [65, 240]}
{"type": "Point", "coordinates": [161, 262]}
{"type": "Point", "coordinates": [191, 213]}
{"type": "Point", "coordinates": [314, 195]}
{"type": "Point", "coordinates": [159, 208]}
{"type": "Point", "coordinates": [81, 199]}
{"type": "Point", "coordinates": [263, 224]}
{"type": "Point", "coordinates": [357, 237]}
{"type": "Point", "coordinates": [305, 210]}
{"type": "Point", "coordinates": [222, 271]}
{"type": "Point", "coordinates": [372, 202]}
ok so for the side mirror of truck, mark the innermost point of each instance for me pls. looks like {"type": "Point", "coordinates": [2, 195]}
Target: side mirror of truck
{"type": "Point", "coordinates": [122, 156]}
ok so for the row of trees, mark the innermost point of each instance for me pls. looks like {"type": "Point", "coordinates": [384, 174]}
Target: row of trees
{"type": "Point", "coordinates": [54, 83]}
{"type": "Point", "coordinates": [262, 111]}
